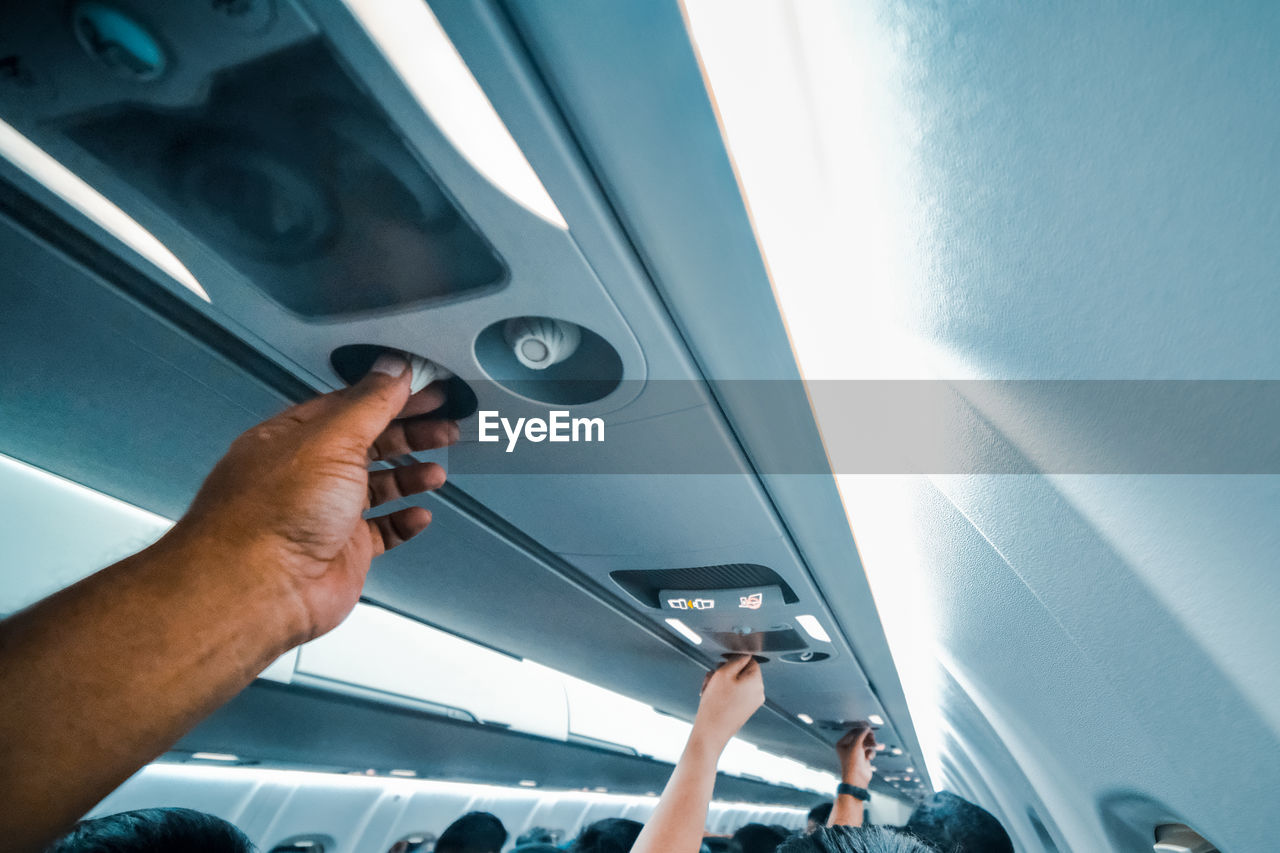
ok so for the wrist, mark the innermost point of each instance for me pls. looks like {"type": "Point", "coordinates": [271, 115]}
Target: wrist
{"type": "Point", "coordinates": [856, 778]}
{"type": "Point", "coordinates": [225, 581]}
{"type": "Point", "coordinates": [706, 741]}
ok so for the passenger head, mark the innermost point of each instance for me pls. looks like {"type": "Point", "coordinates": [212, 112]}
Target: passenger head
{"type": "Point", "coordinates": [854, 839]}
{"type": "Point", "coordinates": [154, 831]}
{"type": "Point", "coordinates": [611, 835]}
{"type": "Point", "coordinates": [474, 832]}
{"type": "Point", "coordinates": [818, 816]}
{"type": "Point", "coordinates": [536, 847]}
{"type": "Point", "coordinates": [535, 835]}
{"type": "Point", "coordinates": [756, 838]}
{"type": "Point", "coordinates": [956, 825]}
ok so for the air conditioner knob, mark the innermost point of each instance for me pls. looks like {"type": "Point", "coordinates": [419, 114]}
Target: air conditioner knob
{"type": "Point", "coordinates": [423, 372]}
{"type": "Point", "coordinates": [539, 342]}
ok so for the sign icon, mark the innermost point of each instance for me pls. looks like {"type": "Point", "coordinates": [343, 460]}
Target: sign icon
{"type": "Point", "coordinates": [751, 602]}
{"type": "Point", "coordinates": [691, 603]}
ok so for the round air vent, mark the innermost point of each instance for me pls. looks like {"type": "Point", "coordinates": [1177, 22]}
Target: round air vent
{"type": "Point", "coordinates": [548, 360]}
{"type": "Point", "coordinates": [351, 362]}
{"type": "Point", "coordinates": [805, 657]}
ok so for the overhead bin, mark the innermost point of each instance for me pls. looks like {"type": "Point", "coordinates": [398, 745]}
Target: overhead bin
{"type": "Point", "coordinates": [375, 649]}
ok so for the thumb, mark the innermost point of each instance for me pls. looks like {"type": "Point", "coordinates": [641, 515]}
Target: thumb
{"type": "Point", "coordinates": [364, 410]}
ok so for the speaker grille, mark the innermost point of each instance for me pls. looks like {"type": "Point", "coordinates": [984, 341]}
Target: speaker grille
{"type": "Point", "coordinates": [644, 584]}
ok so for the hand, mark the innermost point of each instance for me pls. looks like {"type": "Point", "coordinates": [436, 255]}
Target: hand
{"type": "Point", "coordinates": [285, 505]}
{"type": "Point", "coordinates": [856, 749]}
{"type": "Point", "coordinates": [730, 695]}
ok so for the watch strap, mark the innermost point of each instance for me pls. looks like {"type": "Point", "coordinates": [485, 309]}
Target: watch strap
{"type": "Point", "coordinates": [853, 791]}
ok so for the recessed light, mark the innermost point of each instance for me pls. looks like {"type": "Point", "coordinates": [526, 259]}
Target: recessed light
{"type": "Point", "coordinates": [875, 719]}
{"type": "Point", "coordinates": [805, 718]}
{"type": "Point", "coordinates": [895, 751]}
{"type": "Point", "coordinates": [527, 783]}
{"type": "Point", "coordinates": [214, 756]}
{"type": "Point", "coordinates": [814, 628]}
{"type": "Point", "coordinates": [37, 163]}
{"type": "Point", "coordinates": [420, 51]}
{"type": "Point", "coordinates": [881, 747]}
{"type": "Point", "coordinates": [687, 632]}
{"type": "Point", "coordinates": [911, 770]}
{"type": "Point", "coordinates": [601, 790]}
{"type": "Point", "coordinates": [403, 773]}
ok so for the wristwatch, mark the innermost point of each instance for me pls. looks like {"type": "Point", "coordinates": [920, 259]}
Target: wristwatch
{"type": "Point", "coordinates": [853, 791]}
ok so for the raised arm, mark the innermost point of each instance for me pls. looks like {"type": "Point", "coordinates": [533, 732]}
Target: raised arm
{"type": "Point", "coordinates": [100, 678]}
{"type": "Point", "coordinates": [856, 749]}
{"type": "Point", "coordinates": [730, 695]}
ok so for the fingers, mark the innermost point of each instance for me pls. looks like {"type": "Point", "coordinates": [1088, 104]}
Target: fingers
{"type": "Point", "coordinates": [409, 436]}
{"type": "Point", "coordinates": [735, 665]}
{"type": "Point", "coordinates": [427, 400]}
{"type": "Point", "coordinates": [363, 411]}
{"type": "Point", "coordinates": [388, 531]}
{"type": "Point", "coordinates": [396, 483]}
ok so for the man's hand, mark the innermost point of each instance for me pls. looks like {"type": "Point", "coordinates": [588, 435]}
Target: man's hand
{"type": "Point", "coordinates": [286, 503]}
{"type": "Point", "coordinates": [856, 750]}
{"type": "Point", "coordinates": [730, 695]}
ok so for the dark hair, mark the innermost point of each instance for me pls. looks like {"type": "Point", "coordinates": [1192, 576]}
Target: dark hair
{"type": "Point", "coordinates": [535, 835]}
{"type": "Point", "coordinates": [611, 835]}
{"type": "Point", "coordinates": [756, 838]}
{"type": "Point", "coordinates": [820, 813]}
{"type": "Point", "coordinates": [854, 839]}
{"type": "Point", "coordinates": [158, 830]}
{"type": "Point", "coordinates": [536, 847]}
{"type": "Point", "coordinates": [952, 823]}
{"type": "Point", "coordinates": [474, 832]}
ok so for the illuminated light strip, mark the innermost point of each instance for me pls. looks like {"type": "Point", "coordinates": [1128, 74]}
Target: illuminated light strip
{"type": "Point", "coordinates": [214, 756]}
{"type": "Point", "coordinates": [814, 628]}
{"type": "Point", "coordinates": [420, 51]}
{"type": "Point", "coordinates": [687, 632]}
{"type": "Point", "coordinates": [68, 186]}
{"type": "Point", "coordinates": [830, 79]}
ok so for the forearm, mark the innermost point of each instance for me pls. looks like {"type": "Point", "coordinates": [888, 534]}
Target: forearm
{"type": "Point", "coordinates": [677, 824]}
{"type": "Point", "coordinates": [101, 678]}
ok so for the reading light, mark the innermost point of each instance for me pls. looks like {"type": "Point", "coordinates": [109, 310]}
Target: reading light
{"type": "Point", "coordinates": [687, 632]}
{"type": "Point", "coordinates": [69, 187]}
{"type": "Point", "coordinates": [527, 783]}
{"type": "Point", "coordinates": [409, 774]}
{"type": "Point", "coordinates": [805, 718]}
{"type": "Point", "coordinates": [881, 747]}
{"type": "Point", "coordinates": [814, 628]}
{"type": "Point", "coordinates": [417, 47]}
{"type": "Point", "coordinates": [875, 719]}
{"type": "Point", "coordinates": [214, 756]}
{"type": "Point", "coordinates": [911, 770]}
{"type": "Point", "coordinates": [895, 751]}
